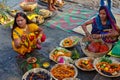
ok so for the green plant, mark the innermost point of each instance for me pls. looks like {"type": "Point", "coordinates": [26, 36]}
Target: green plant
{"type": "Point", "coordinates": [105, 59]}
{"type": "Point", "coordinates": [75, 54]}
{"type": "Point", "coordinates": [3, 4]}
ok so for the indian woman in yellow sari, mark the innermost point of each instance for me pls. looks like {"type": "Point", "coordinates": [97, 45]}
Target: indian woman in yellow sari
{"type": "Point", "coordinates": [26, 35]}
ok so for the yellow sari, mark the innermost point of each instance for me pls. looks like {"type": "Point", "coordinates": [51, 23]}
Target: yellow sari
{"type": "Point", "coordinates": [30, 41]}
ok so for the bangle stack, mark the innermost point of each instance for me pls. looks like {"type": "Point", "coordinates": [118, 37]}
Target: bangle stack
{"type": "Point", "coordinates": [40, 36]}
{"type": "Point", "coordinates": [102, 35]}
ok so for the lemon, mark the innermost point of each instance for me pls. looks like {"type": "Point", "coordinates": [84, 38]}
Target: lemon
{"type": "Point", "coordinates": [46, 64]}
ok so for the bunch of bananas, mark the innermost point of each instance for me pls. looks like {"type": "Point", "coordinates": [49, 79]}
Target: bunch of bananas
{"type": "Point", "coordinates": [28, 6]}
{"type": "Point", "coordinates": [36, 18]}
{"type": "Point", "coordinates": [4, 18]}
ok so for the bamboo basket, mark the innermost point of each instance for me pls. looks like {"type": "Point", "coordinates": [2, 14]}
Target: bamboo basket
{"type": "Point", "coordinates": [28, 6]}
{"type": "Point", "coordinates": [92, 54]}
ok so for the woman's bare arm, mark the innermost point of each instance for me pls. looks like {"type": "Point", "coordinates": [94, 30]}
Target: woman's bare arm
{"type": "Point", "coordinates": [111, 33]}
{"type": "Point", "coordinates": [114, 31]}
{"type": "Point", "coordinates": [17, 43]}
{"type": "Point", "coordinates": [85, 25]}
{"type": "Point", "coordinates": [117, 28]}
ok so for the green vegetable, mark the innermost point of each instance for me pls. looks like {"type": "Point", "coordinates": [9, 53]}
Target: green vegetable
{"type": "Point", "coordinates": [105, 59]}
{"type": "Point", "coordinates": [29, 66]}
{"type": "Point", "coordinates": [23, 64]}
{"type": "Point", "coordinates": [36, 10]}
{"type": "Point", "coordinates": [75, 54]}
{"type": "Point", "coordinates": [55, 52]}
{"type": "Point", "coordinates": [76, 41]}
{"type": "Point", "coordinates": [59, 48]}
{"type": "Point", "coordinates": [102, 66]}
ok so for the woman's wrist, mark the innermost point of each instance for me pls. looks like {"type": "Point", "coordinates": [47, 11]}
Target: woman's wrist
{"type": "Point", "coordinates": [102, 35]}
{"type": "Point", "coordinates": [96, 36]}
{"type": "Point", "coordinates": [87, 33]}
{"type": "Point", "coordinates": [18, 45]}
{"type": "Point", "coordinates": [40, 35]}
{"type": "Point", "coordinates": [39, 38]}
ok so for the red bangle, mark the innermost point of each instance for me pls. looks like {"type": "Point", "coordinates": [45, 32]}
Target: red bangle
{"type": "Point", "coordinates": [43, 38]}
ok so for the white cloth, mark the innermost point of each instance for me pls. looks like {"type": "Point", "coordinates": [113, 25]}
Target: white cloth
{"type": "Point", "coordinates": [60, 1]}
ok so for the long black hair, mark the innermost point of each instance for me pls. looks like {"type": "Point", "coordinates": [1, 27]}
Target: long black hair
{"type": "Point", "coordinates": [108, 13]}
{"type": "Point", "coordinates": [22, 14]}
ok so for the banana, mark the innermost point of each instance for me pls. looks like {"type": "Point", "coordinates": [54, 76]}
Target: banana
{"type": "Point", "coordinates": [3, 17]}
{"type": "Point", "coordinates": [31, 16]}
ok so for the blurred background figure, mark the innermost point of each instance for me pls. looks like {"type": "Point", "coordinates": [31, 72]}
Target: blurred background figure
{"type": "Point", "coordinates": [51, 5]}
{"type": "Point", "coordinates": [29, 0]}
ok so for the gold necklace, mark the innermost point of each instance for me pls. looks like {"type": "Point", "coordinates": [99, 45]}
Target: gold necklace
{"type": "Point", "coordinates": [25, 29]}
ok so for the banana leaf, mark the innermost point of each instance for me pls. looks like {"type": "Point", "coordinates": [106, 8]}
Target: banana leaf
{"type": "Point", "coordinates": [9, 24]}
{"type": "Point", "coordinates": [115, 50]}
